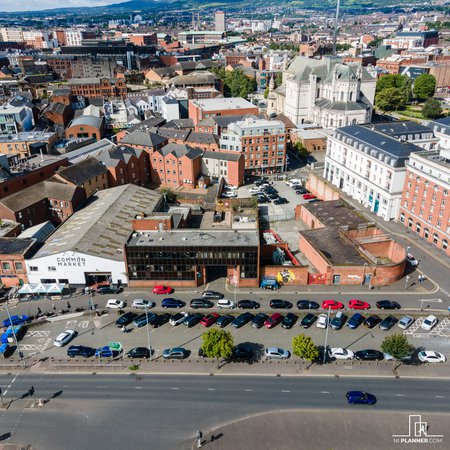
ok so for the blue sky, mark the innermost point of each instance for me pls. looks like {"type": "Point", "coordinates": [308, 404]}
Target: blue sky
{"type": "Point", "coordinates": [31, 5]}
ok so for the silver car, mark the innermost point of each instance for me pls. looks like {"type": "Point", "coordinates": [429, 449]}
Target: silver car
{"type": "Point", "coordinates": [140, 303]}
{"type": "Point", "coordinates": [277, 353]}
{"type": "Point", "coordinates": [64, 338]}
{"type": "Point", "coordinates": [405, 322]}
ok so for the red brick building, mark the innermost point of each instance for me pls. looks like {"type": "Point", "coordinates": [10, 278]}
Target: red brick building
{"type": "Point", "coordinates": [13, 252]}
{"type": "Point", "coordinates": [86, 127]}
{"type": "Point", "coordinates": [98, 87]}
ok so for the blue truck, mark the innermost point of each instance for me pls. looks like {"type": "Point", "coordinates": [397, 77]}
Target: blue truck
{"type": "Point", "coordinates": [270, 283]}
{"type": "Point", "coordinates": [8, 335]}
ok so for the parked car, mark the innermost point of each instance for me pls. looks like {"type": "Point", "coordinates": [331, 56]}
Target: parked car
{"type": "Point", "coordinates": [411, 260]}
{"type": "Point", "coordinates": [143, 319]}
{"type": "Point", "coordinates": [80, 350]}
{"type": "Point", "coordinates": [193, 319]}
{"type": "Point", "coordinates": [276, 353]}
{"type": "Point", "coordinates": [242, 319]}
{"type": "Point", "coordinates": [280, 201]}
{"type": "Point", "coordinates": [308, 320]}
{"type": "Point", "coordinates": [338, 320]}
{"type": "Point", "coordinates": [322, 321]}
{"type": "Point", "coordinates": [139, 352]}
{"type": "Point", "coordinates": [360, 398]}
{"type": "Point", "coordinates": [340, 353]}
{"type": "Point", "coordinates": [208, 320]}
{"type": "Point", "coordinates": [280, 304]}
{"type": "Point", "coordinates": [64, 338]}
{"type": "Point", "coordinates": [293, 182]}
{"type": "Point", "coordinates": [372, 321]}
{"type": "Point", "coordinates": [110, 289]}
{"type": "Point", "coordinates": [197, 303]}
{"type": "Point", "coordinates": [429, 322]}
{"type": "Point", "coordinates": [289, 321]}
{"type": "Point", "coordinates": [300, 190]}
{"type": "Point", "coordinates": [307, 304]}
{"type": "Point", "coordinates": [255, 190]}
{"type": "Point", "coordinates": [355, 321]}
{"type": "Point", "coordinates": [159, 290]}
{"type": "Point", "coordinates": [178, 318]}
{"type": "Point", "coordinates": [106, 352]}
{"type": "Point", "coordinates": [431, 357]}
{"type": "Point", "coordinates": [387, 304]}
{"type": "Point", "coordinates": [358, 304]}
{"type": "Point", "coordinates": [113, 303]}
{"type": "Point", "coordinates": [387, 323]}
{"type": "Point", "coordinates": [16, 320]}
{"type": "Point", "coordinates": [229, 194]}
{"type": "Point", "coordinates": [223, 321]}
{"type": "Point", "coordinates": [369, 355]}
{"type": "Point", "coordinates": [332, 304]}
{"type": "Point", "coordinates": [314, 200]}
{"type": "Point", "coordinates": [159, 320]}
{"type": "Point", "coordinates": [273, 320]}
{"type": "Point", "coordinates": [248, 304]}
{"type": "Point", "coordinates": [225, 304]}
{"type": "Point", "coordinates": [259, 319]}
{"type": "Point", "coordinates": [308, 196]}
{"type": "Point", "coordinates": [212, 295]}
{"type": "Point", "coordinates": [172, 303]}
{"type": "Point", "coordinates": [242, 353]}
{"type": "Point", "coordinates": [125, 319]}
{"type": "Point", "coordinates": [262, 199]}
{"type": "Point", "coordinates": [175, 353]}
{"type": "Point", "coordinates": [405, 322]}
{"type": "Point", "coordinates": [140, 303]}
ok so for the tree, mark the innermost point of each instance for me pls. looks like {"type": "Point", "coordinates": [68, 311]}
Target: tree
{"type": "Point", "coordinates": [217, 343]}
{"type": "Point", "coordinates": [303, 347]}
{"type": "Point", "coordinates": [400, 82]}
{"type": "Point", "coordinates": [397, 346]}
{"type": "Point", "coordinates": [424, 86]}
{"type": "Point", "coordinates": [266, 92]}
{"type": "Point", "coordinates": [390, 99]}
{"type": "Point", "coordinates": [169, 195]}
{"type": "Point", "coordinates": [278, 79]}
{"type": "Point", "coordinates": [432, 109]}
{"type": "Point", "coordinates": [301, 150]}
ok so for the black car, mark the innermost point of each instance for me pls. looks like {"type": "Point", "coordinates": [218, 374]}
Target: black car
{"type": "Point", "coordinates": [308, 320]}
{"type": "Point", "coordinates": [242, 319]}
{"type": "Point", "coordinates": [125, 319]}
{"type": "Point", "coordinates": [289, 320]}
{"type": "Point", "coordinates": [139, 352]}
{"type": "Point", "coordinates": [159, 320]}
{"type": "Point", "coordinates": [201, 303]}
{"type": "Point", "coordinates": [338, 320]}
{"type": "Point", "coordinates": [193, 319]}
{"type": "Point", "coordinates": [248, 304]}
{"type": "Point", "coordinates": [109, 290]}
{"type": "Point", "coordinates": [372, 321]}
{"type": "Point", "coordinates": [263, 199]}
{"type": "Point", "coordinates": [212, 295]}
{"type": "Point", "coordinates": [300, 190]}
{"type": "Point", "coordinates": [259, 319]}
{"type": "Point", "coordinates": [355, 321]}
{"type": "Point", "coordinates": [387, 323]}
{"type": "Point", "coordinates": [242, 353]}
{"type": "Point", "coordinates": [273, 196]}
{"type": "Point", "coordinates": [387, 304]}
{"type": "Point", "coordinates": [281, 201]}
{"type": "Point", "coordinates": [369, 355]}
{"type": "Point", "coordinates": [307, 304]}
{"type": "Point", "coordinates": [280, 304]}
{"type": "Point", "coordinates": [80, 350]}
{"type": "Point", "coordinates": [223, 321]}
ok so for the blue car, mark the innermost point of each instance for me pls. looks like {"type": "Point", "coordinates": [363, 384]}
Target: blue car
{"type": "Point", "coordinates": [143, 319]}
{"type": "Point", "coordinates": [360, 398]}
{"type": "Point", "coordinates": [104, 352]}
{"type": "Point", "coordinates": [172, 303]}
{"type": "Point", "coordinates": [355, 321]}
{"type": "Point", "coordinates": [16, 320]}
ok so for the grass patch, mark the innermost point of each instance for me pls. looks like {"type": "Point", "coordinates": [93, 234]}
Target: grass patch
{"type": "Point", "coordinates": [133, 367]}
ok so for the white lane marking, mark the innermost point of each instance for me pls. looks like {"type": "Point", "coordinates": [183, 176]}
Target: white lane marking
{"type": "Point", "coordinates": [102, 387]}
{"type": "Point", "coordinates": [138, 387]}
{"type": "Point", "coordinates": [211, 389]}
{"type": "Point", "coordinates": [10, 384]}
{"type": "Point", "coordinates": [285, 391]}
{"type": "Point", "coordinates": [440, 396]}
{"type": "Point", "coordinates": [399, 395]}
{"type": "Point", "coordinates": [248, 390]}
{"type": "Point", "coordinates": [175, 389]}
{"type": "Point", "coordinates": [324, 392]}
{"type": "Point", "coordinates": [65, 386]}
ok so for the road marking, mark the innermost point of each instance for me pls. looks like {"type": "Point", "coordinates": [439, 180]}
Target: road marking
{"type": "Point", "coordinates": [138, 387]}
{"type": "Point", "coordinates": [325, 392]}
{"type": "Point", "coordinates": [102, 387]}
{"type": "Point", "coordinates": [10, 384]}
{"type": "Point", "coordinates": [174, 389]}
{"type": "Point", "coordinates": [248, 390]}
{"type": "Point", "coordinates": [211, 389]}
{"type": "Point", "coordinates": [399, 395]}
{"type": "Point", "coordinates": [440, 396]}
{"type": "Point", "coordinates": [285, 391]}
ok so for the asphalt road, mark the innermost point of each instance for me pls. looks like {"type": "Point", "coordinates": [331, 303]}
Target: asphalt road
{"type": "Point", "coordinates": [164, 412]}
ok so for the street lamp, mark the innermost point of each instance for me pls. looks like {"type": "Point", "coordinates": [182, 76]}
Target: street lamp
{"type": "Point", "coordinates": [148, 332]}
{"type": "Point", "coordinates": [406, 281]}
{"type": "Point", "coordinates": [326, 336]}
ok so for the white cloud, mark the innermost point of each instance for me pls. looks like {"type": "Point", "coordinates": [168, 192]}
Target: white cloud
{"type": "Point", "coordinates": [33, 5]}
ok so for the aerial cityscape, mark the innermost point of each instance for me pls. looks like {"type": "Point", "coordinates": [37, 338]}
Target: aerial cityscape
{"type": "Point", "coordinates": [224, 225]}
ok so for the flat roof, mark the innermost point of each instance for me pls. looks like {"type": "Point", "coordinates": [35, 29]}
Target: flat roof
{"type": "Point", "coordinates": [219, 103]}
{"type": "Point", "coordinates": [27, 136]}
{"type": "Point", "coordinates": [14, 246]}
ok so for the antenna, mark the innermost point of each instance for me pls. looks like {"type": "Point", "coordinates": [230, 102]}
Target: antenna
{"type": "Point", "coordinates": [336, 21]}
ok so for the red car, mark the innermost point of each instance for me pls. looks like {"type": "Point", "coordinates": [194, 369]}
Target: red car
{"type": "Point", "coordinates": [273, 320]}
{"type": "Point", "coordinates": [162, 290]}
{"type": "Point", "coordinates": [208, 320]}
{"type": "Point", "coordinates": [358, 304]}
{"type": "Point", "coordinates": [308, 196]}
{"type": "Point", "coordinates": [332, 304]}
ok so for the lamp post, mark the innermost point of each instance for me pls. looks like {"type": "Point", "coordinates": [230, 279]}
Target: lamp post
{"type": "Point", "coordinates": [14, 335]}
{"type": "Point", "coordinates": [326, 336]}
{"type": "Point", "coordinates": [148, 332]}
{"type": "Point", "coordinates": [406, 281]}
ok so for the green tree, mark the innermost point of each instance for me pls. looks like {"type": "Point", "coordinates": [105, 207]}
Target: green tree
{"type": "Point", "coordinates": [432, 109]}
{"type": "Point", "coordinates": [376, 42]}
{"type": "Point", "coordinates": [424, 86]}
{"type": "Point", "coordinates": [390, 99]}
{"type": "Point", "coordinates": [301, 150]}
{"type": "Point", "coordinates": [170, 196]}
{"type": "Point", "coordinates": [400, 82]}
{"type": "Point", "coordinates": [278, 79]}
{"type": "Point", "coordinates": [397, 346]}
{"type": "Point", "coordinates": [217, 343]}
{"type": "Point", "coordinates": [266, 92]}
{"type": "Point", "coordinates": [303, 347]}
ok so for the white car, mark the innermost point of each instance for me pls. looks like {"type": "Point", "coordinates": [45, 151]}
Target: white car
{"type": "Point", "coordinates": [405, 322]}
{"type": "Point", "coordinates": [140, 303]}
{"type": "Point", "coordinates": [229, 194]}
{"type": "Point", "coordinates": [277, 353]}
{"type": "Point", "coordinates": [431, 357]}
{"type": "Point", "coordinates": [429, 322]}
{"type": "Point", "coordinates": [322, 321]}
{"type": "Point", "coordinates": [115, 304]}
{"type": "Point", "coordinates": [293, 182]}
{"type": "Point", "coordinates": [255, 190]}
{"type": "Point", "coordinates": [340, 353]}
{"type": "Point", "coordinates": [229, 187]}
{"type": "Point", "coordinates": [64, 338]}
{"type": "Point", "coordinates": [178, 318]}
{"type": "Point", "coordinates": [411, 260]}
{"type": "Point", "coordinates": [225, 304]}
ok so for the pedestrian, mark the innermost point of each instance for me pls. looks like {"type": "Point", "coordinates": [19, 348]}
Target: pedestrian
{"type": "Point", "coordinates": [39, 310]}
{"type": "Point", "coordinates": [68, 305]}
{"type": "Point", "coordinates": [124, 328]}
{"type": "Point", "coordinates": [54, 307]}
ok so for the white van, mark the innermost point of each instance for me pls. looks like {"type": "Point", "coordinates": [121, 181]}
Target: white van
{"type": "Point", "coordinates": [226, 304]}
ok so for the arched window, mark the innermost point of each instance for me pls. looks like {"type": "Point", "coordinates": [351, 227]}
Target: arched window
{"type": "Point", "coordinates": [444, 244]}
{"type": "Point", "coordinates": [435, 239]}
{"type": "Point", "coordinates": [410, 223]}
{"type": "Point", "coordinates": [354, 122]}
{"type": "Point", "coordinates": [418, 227]}
{"type": "Point", "coordinates": [402, 218]}
{"type": "Point", "coordinates": [426, 233]}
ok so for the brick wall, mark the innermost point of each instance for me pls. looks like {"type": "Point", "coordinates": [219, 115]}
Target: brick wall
{"type": "Point", "coordinates": [321, 188]}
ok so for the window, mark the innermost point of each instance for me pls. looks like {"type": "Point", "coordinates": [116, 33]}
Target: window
{"type": "Point", "coordinates": [418, 227]}
{"type": "Point", "coordinates": [18, 265]}
{"type": "Point", "coordinates": [444, 244]}
{"type": "Point", "coordinates": [6, 266]}
{"type": "Point", "coordinates": [435, 239]}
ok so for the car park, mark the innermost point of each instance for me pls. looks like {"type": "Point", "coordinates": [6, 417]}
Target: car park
{"type": "Point", "coordinates": [276, 353]}
{"type": "Point", "coordinates": [387, 304]}
{"type": "Point", "coordinates": [242, 353]}
{"type": "Point", "coordinates": [429, 322]}
{"type": "Point", "coordinates": [332, 304]}
{"type": "Point", "coordinates": [223, 321]}
{"type": "Point", "coordinates": [307, 304]}
{"type": "Point", "coordinates": [138, 352]}
{"type": "Point", "coordinates": [208, 320]}
{"type": "Point", "coordinates": [405, 322]}
{"type": "Point", "coordinates": [16, 320]}
{"type": "Point", "coordinates": [280, 201]}
{"type": "Point", "coordinates": [387, 323]}
{"type": "Point", "coordinates": [143, 319]}
{"type": "Point", "coordinates": [322, 321]}
{"type": "Point", "coordinates": [431, 357]}
{"type": "Point", "coordinates": [360, 398]}
{"type": "Point", "coordinates": [355, 321]}
{"type": "Point", "coordinates": [197, 303]}
{"type": "Point", "coordinates": [178, 318]}
{"type": "Point", "coordinates": [369, 355]}
{"type": "Point", "coordinates": [212, 295]}
{"type": "Point", "coordinates": [64, 338]}
{"type": "Point", "coordinates": [159, 290]}
{"type": "Point", "coordinates": [273, 320]}
{"type": "Point", "coordinates": [308, 320]}
{"type": "Point", "coordinates": [80, 350]}
{"type": "Point", "coordinates": [411, 260]}
{"type": "Point", "coordinates": [110, 289]}
{"type": "Point", "coordinates": [280, 304]}
{"type": "Point", "coordinates": [289, 321]}
{"type": "Point", "coordinates": [340, 353]}
{"type": "Point", "coordinates": [338, 320]}
{"type": "Point", "coordinates": [125, 319]}
{"type": "Point", "coordinates": [242, 319]}
{"type": "Point", "coordinates": [172, 303]}
{"type": "Point", "coordinates": [115, 304]}
{"type": "Point", "coordinates": [140, 303]}
{"type": "Point", "coordinates": [159, 320]}
{"type": "Point", "coordinates": [372, 321]}
{"type": "Point", "coordinates": [193, 319]}
{"type": "Point", "coordinates": [248, 304]}
{"type": "Point", "coordinates": [358, 304]}
{"type": "Point", "coordinates": [175, 353]}
{"type": "Point", "coordinates": [259, 319]}
{"type": "Point", "coordinates": [225, 304]}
